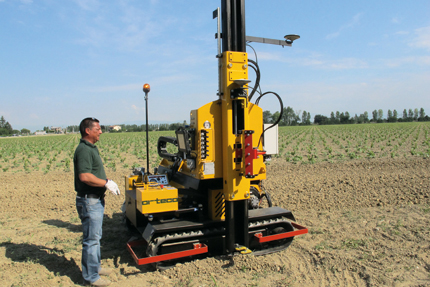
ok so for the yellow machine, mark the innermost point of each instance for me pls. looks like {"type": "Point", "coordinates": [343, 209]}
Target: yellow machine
{"type": "Point", "coordinates": [207, 197]}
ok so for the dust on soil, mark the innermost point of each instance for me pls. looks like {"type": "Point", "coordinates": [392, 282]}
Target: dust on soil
{"type": "Point", "coordinates": [368, 220]}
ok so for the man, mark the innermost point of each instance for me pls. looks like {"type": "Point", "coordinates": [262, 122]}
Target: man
{"type": "Point", "coordinates": [90, 185]}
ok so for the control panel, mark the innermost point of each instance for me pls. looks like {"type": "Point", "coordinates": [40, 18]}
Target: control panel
{"type": "Point", "coordinates": [158, 178]}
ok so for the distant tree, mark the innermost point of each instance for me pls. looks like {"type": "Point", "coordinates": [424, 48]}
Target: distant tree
{"type": "Point", "coordinates": [395, 115]}
{"type": "Point", "coordinates": [76, 128]}
{"type": "Point", "coordinates": [422, 114]}
{"type": "Point", "coordinates": [267, 117]}
{"type": "Point", "coordinates": [320, 120]}
{"type": "Point", "coordinates": [48, 130]}
{"type": "Point", "coordinates": [332, 118]}
{"type": "Point", "coordinates": [163, 127]}
{"type": "Point", "coordinates": [389, 115]}
{"type": "Point", "coordinates": [275, 117]}
{"type": "Point", "coordinates": [405, 115]}
{"type": "Point", "coordinates": [366, 117]}
{"type": "Point", "coordinates": [289, 117]}
{"type": "Point", "coordinates": [344, 118]}
{"type": "Point", "coordinates": [360, 119]}
{"type": "Point", "coordinates": [175, 126]}
{"type": "Point", "coordinates": [8, 128]}
{"type": "Point", "coordinates": [375, 116]}
{"type": "Point", "coordinates": [25, 131]}
{"type": "Point", "coordinates": [356, 119]}
{"type": "Point", "coordinates": [16, 132]}
{"type": "Point", "coordinates": [5, 127]}
{"type": "Point", "coordinates": [380, 115]}
{"type": "Point", "coordinates": [410, 115]}
{"type": "Point", "coordinates": [306, 118]}
{"type": "Point", "coordinates": [337, 117]}
{"type": "Point", "coordinates": [416, 114]}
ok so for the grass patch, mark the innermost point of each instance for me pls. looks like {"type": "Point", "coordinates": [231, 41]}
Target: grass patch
{"type": "Point", "coordinates": [354, 243]}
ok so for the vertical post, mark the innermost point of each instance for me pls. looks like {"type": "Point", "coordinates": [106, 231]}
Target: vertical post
{"type": "Point", "coordinates": [146, 89]}
{"type": "Point", "coordinates": [147, 139]}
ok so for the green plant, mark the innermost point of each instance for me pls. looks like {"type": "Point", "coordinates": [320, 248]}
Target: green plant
{"type": "Point", "coordinates": [354, 243]}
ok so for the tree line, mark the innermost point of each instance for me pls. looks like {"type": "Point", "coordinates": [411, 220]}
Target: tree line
{"type": "Point", "coordinates": [288, 117]}
{"type": "Point", "coordinates": [377, 117]}
{"type": "Point", "coordinates": [7, 130]}
{"type": "Point", "coordinates": [134, 127]}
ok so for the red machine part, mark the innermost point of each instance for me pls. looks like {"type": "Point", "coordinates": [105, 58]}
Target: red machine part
{"type": "Point", "coordinates": [300, 230]}
{"type": "Point", "coordinates": [251, 153]}
{"type": "Point", "coordinates": [199, 248]}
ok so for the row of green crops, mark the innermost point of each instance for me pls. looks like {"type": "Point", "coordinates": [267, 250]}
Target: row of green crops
{"type": "Point", "coordinates": [307, 144]}
{"type": "Point", "coordinates": [334, 143]}
{"type": "Point", "coordinates": [48, 153]}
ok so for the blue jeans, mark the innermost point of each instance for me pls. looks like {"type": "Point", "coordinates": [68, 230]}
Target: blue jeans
{"type": "Point", "coordinates": [90, 212]}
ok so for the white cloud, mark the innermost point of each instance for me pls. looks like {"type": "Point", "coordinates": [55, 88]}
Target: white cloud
{"type": "Point", "coordinates": [120, 25]}
{"type": "Point", "coordinates": [267, 56]}
{"type": "Point", "coordinates": [347, 64]}
{"type": "Point", "coordinates": [332, 35]}
{"type": "Point", "coordinates": [136, 109]}
{"type": "Point", "coordinates": [395, 20]}
{"type": "Point", "coordinates": [318, 61]}
{"type": "Point", "coordinates": [422, 38]}
{"type": "Point", "coordinates": [88, 5]}
{"type": "Point", "coordinates": [415, 60]}
{"type": "Point", "coordinates": [354, 22]}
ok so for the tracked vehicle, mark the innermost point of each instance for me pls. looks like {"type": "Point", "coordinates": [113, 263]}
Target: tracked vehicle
{"type": "Point", "coordinates": [207, 197]}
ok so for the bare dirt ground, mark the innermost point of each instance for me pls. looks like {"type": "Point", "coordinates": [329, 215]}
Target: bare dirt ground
{"type": "Point", "coordinates": [368, 220]}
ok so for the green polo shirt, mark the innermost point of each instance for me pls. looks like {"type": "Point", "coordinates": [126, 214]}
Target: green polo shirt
{"type": "Point", "coordinates": [87, 160]}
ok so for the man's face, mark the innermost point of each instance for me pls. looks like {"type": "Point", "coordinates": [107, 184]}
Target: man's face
{"type": "Point", "coordinates": [94, 133]}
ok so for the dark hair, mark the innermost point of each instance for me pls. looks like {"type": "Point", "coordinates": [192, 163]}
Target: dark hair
{"type": "Point", "coordinates": [87, 123]}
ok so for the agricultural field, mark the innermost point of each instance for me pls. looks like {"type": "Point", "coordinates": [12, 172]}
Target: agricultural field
{"type": "Point", "coordinates": [362, 190]}
{"type": "Point", "coordinates": [55, 153]}
{"type": "Point", "coordinates": [301, 144]}
{"type": "Point", "coordinates": [333, 143]}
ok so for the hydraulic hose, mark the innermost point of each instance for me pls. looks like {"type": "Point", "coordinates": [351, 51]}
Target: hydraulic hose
{"type": "Point", "coordinates": [258, 75]}
{"type": "Point", "coordinates": [257, 101]}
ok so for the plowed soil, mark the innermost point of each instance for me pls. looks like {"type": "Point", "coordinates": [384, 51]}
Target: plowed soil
{"type": "Point", "coordinates": [368, 220]}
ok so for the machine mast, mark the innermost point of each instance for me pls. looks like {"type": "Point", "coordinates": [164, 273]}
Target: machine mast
{"type": "Point", "coordinates": [234, 67]}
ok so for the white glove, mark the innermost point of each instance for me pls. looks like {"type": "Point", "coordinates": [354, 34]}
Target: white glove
{"type": "Point", "coordinates": [113, 187]}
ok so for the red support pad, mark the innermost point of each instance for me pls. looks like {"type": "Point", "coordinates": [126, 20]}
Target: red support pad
{"type": "Point", "coordinates": [300, 230]}
{"type": "Point", "coordinates": [251, 154]}
{"type": "Point", "coordinates": [199, 248]}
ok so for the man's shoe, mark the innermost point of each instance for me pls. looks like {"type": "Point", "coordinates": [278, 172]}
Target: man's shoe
{"type": "Point", "coordinates": [99, 283]}
{"type": "Point", "coordinates": [105, 271]}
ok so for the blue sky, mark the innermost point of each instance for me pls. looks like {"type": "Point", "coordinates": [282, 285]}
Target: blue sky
{"type": "Point", "coordinates": [61, 61]}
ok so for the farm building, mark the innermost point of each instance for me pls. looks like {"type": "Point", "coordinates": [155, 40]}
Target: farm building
{"type": "Point", "coordinates": [115, 127]}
